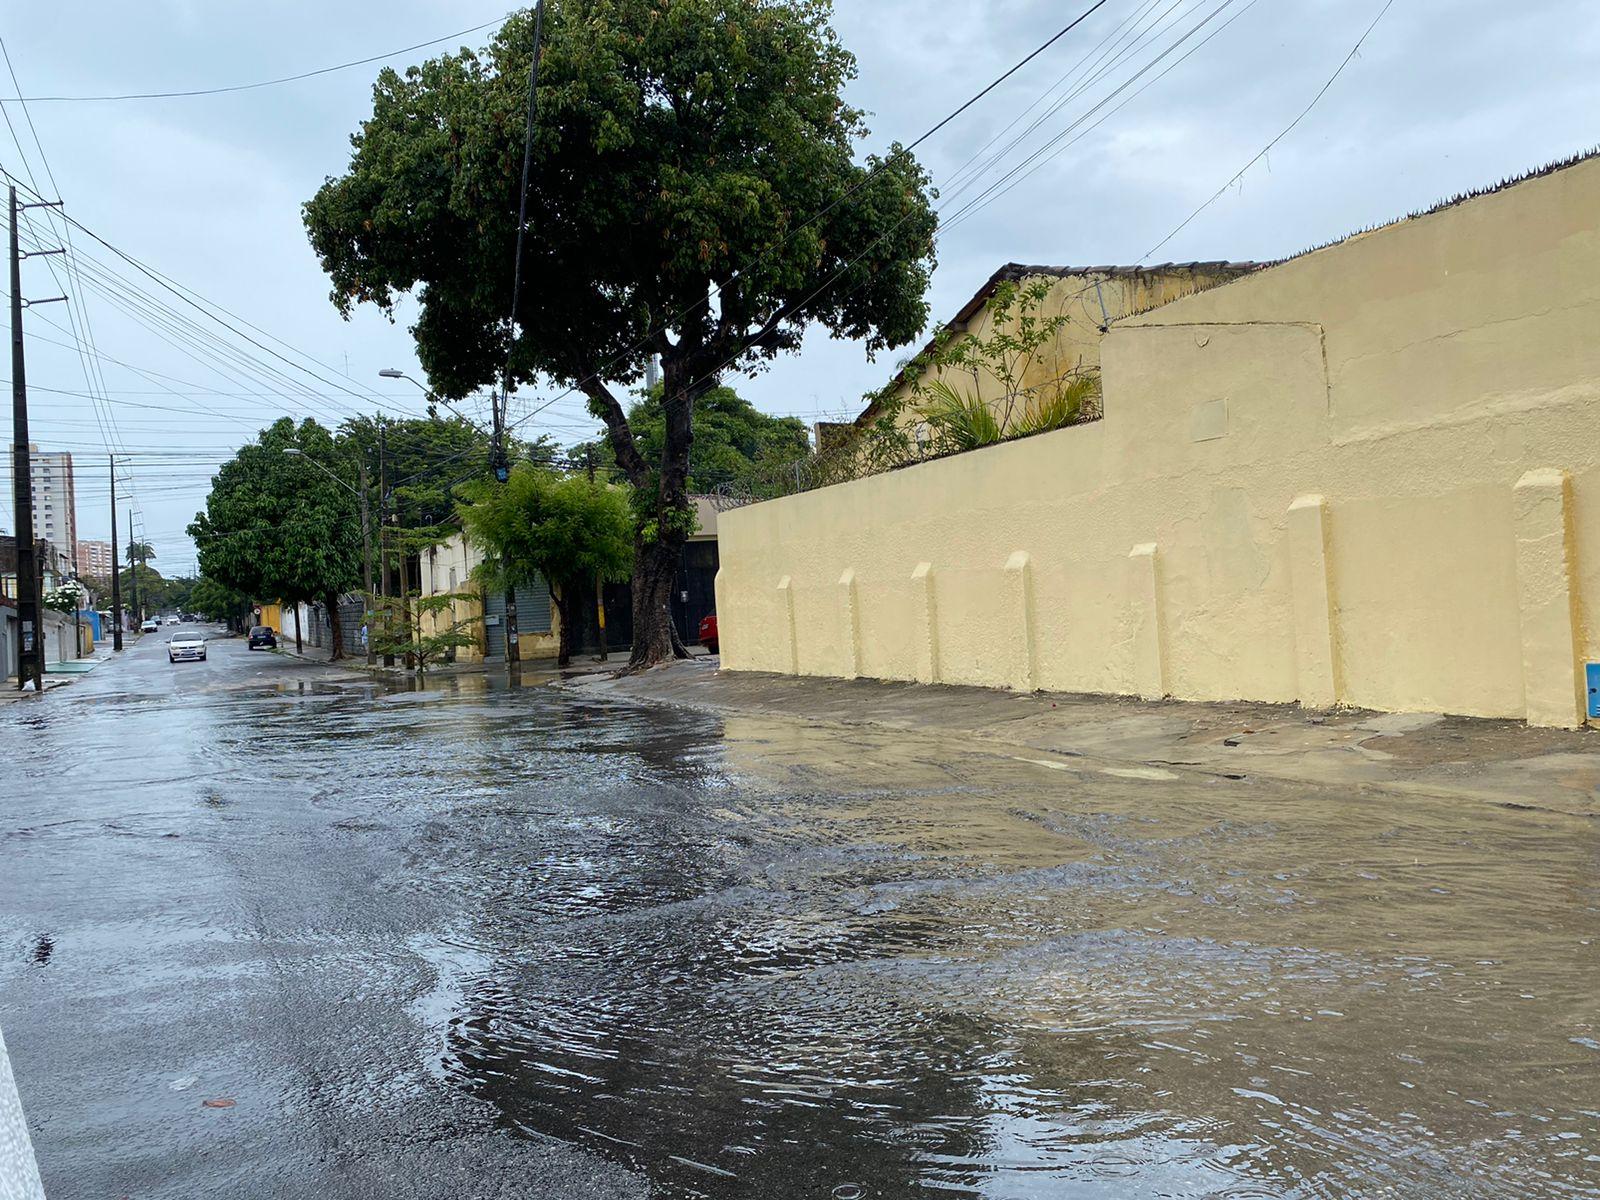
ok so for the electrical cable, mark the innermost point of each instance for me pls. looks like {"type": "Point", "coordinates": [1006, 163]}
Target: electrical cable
{"type": "Point", "coordinates": [264, 83]}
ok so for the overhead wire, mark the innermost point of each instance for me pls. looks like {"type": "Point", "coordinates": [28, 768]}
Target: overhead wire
{"type": "Point", "coordinates": [263, 83]}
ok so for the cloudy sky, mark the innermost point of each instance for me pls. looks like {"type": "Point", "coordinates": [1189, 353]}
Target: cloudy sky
{"type": "Point", "coordinates": [1118, 150]}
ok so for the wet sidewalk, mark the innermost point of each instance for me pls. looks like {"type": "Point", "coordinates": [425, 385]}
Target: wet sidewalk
{"type": "Point", "coordinates": [1491, 761]}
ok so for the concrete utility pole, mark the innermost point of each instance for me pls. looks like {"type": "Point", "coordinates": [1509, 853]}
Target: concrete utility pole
{"type": "Point", "coordinates": [383, 526]}
{"type": "Point", "coordinates": [497, 455]}
{"type": "Point", "coordinates": [116, 563]}
{"type": "Point", "coordinates": [30, 646]}
{"type": "Point", "coordinates": [599, 579]}
{"type": "Point", "coordinates": [366, 566]}
{"type": "Point", "coordinates": [133, 571]}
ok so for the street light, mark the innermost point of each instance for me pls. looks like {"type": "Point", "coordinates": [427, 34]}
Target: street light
{"type": "Point", "coordinates": [366, 532]}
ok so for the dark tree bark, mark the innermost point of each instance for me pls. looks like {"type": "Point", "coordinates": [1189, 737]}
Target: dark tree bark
{"type": "Point", "coordinates": [336, 625]}
{"type": "Point", "coordinates": [567, 611]}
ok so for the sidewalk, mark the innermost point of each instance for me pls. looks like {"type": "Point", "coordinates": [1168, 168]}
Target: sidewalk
{"type": "Point", "coordinates": [57, 675]}
{"type": "Point", "coordinates": [1471, 759]}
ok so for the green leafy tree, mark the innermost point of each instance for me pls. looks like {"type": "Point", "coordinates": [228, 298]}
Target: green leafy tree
{"type": "Point", "coordinates": [218, 602]}
{"type": "Point", "coordinates": [140, 552]}
{"type": "Point", "coordinates": [277, 527]}
{"type": "Point", "coordinates": [567, 529]}
{"type": "Point", "coordinates": [735, 443]}
{"type": "Point", "coordinates": [680, 147]}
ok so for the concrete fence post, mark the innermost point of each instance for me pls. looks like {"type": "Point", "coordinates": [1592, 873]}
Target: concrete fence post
{"type": "Point", "coordinates": [1019, 590]}
{"type": "Point", "coordinates": [1149, 638]}
{"type": "Point", "coordinates": [1547, 594]}
{"type": "Point", "coordinates": [19, 1171]}
{"type": "Point", "coordinates": [851, 615]}
{"type": "Point", "coordinates": [925, 606]}
{"type": "Point", "coordinates": [786, 598]}
{"type": "Point", "coordinates": [1316, 658]}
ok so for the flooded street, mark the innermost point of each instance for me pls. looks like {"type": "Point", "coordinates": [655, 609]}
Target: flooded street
{"type": "Point", "coordinates": [478, 941]}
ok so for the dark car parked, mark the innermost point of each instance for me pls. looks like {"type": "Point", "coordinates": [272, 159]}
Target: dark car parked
{"type": "Point", "coordinates": [262, 635]}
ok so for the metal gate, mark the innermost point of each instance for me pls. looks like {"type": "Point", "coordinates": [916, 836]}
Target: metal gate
{"type": "Point", "coordinates": [533, 616]}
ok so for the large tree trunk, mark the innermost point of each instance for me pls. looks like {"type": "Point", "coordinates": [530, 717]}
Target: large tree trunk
{"type": "Point", "coordinates": [332, 601]}
{"type": "Point", "coordinates": [567, 614]}
{"type": "Point", "coordinates": [655, 562]}
{"type": "Point", "coordinates": [655, 569]}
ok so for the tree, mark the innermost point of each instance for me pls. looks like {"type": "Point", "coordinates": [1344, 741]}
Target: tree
{"type": "Point", "coordinates": [694, 197]}
{"type": "Point", "coordinates": [400, 630]}
{"type": "Point", "coordinates": [140, 552]}
{"type": "Point", "coordinates": [277, 527]}
{"type": "Point", "coordinates": [218, 602]}
{"type": "Point", "coordinates": [735, 443]}
{"type": "Point", "coordinates": [569, 530]}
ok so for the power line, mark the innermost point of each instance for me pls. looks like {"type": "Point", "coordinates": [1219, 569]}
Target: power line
{"type": "Point", "coordinates": [264, 83]}
{"type": "Point", "coordinates": [1287, 129]}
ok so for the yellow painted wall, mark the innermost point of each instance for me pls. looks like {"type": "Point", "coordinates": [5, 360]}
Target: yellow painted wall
{"type": "Point", "coordinates": [1370, 474]}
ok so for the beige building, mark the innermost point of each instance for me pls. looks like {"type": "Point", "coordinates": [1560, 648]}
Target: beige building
{"type": "Point", "coordinates": [1367, 475]}
{"type": "Point", "coordinates": [94, 558]}
{"type": "Point", "coordinates": [55, 512]}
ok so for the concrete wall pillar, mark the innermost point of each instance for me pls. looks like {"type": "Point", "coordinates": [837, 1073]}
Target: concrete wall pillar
{"type": "Point", "coordinates": [1316, 656]}
{"type": "Point", "coordinates": [850, 614]}
{"type": "Point", "coordinates": [1552, 677]}
{"type": "Point", "coordinates": [791, 632]}
{"type": "Point", "coordinates": [1019, 597]}
{"type": "Point", "coordinates": [1149, 638]}
{"type": "Point", "coordinates": [925, 606]}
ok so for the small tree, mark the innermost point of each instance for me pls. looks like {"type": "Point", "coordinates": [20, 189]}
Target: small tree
{"type": "Point", "coordinates": [1010, 382]}
{"type": "Point", "coordinates": [400, 629]}
{"type": "Point", "coordinates": [570, 530]}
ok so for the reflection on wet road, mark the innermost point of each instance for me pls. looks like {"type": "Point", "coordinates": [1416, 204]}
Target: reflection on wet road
{"type": "Point", "coordinates": [750, 958]}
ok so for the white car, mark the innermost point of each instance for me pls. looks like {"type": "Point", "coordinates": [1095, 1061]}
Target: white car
{"type": "Point", "coordinates": [172, 620]}
{"type": "Point", "coordinates": [151, 625]}
{"type": "Point", "coordinates": [186, 647]}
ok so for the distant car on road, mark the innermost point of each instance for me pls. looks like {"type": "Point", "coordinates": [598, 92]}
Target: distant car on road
{"type": "Point", "coordinates": [151, 625]}
{"type": "Point", "coordinates": [708, 633]}
{"type": "Point", "coordinates": [262, 636]}
{"type": "Point", "coordinates": [186, 647]}
{"type": "Point", "coordinates": [172, 620]}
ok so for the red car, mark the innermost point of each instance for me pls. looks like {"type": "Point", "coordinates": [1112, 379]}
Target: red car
{"type": "Point", "coordinates": [708, 632]}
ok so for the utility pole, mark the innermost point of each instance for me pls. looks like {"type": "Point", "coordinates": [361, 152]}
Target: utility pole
{"type": "Point", "coordinates": [366, 551]}
{"type": "Point", "coordinates": [116, 563]}
{"type": "Point", "coordinates": [497, 455]}
{"type": "Point", "coordinates": [599, 579]}
{"type": "Point", "coordinates": [133, 571]}
{"type": "Point", "coordinates": [30, 646]}
{"type": "Point", "coordinates": [383, 526]}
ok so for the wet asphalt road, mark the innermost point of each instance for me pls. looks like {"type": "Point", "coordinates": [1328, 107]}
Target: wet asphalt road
{"type": "Point", "coordinates": [473, 941]}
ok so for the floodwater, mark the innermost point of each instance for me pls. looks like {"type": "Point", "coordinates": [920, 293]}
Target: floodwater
{"type": "Point", "coordinates": [750, 958]}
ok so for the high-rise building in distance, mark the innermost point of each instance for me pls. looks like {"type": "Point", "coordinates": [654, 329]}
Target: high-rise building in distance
{"type": "Point", "coordinates": [55, 510]}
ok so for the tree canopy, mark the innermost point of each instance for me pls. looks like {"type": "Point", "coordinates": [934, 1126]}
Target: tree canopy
{"type": "Point", "coordinates": [735, 443]}
{"type": "Point", "coordinates": [694, 196]}
{"type": "Point", "coordinates": [277, 526]}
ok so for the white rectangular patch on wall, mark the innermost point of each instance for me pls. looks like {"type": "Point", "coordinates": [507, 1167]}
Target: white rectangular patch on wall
{"type": "Point", "coordinates": [1208, 421]}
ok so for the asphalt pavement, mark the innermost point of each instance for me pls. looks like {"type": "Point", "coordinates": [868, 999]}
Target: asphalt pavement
{"type": "Point", "coordinates": [274, 928]}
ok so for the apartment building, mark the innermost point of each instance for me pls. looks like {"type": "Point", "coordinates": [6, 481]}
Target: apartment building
{"type": "Point", "coordinates": [55, 514]}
